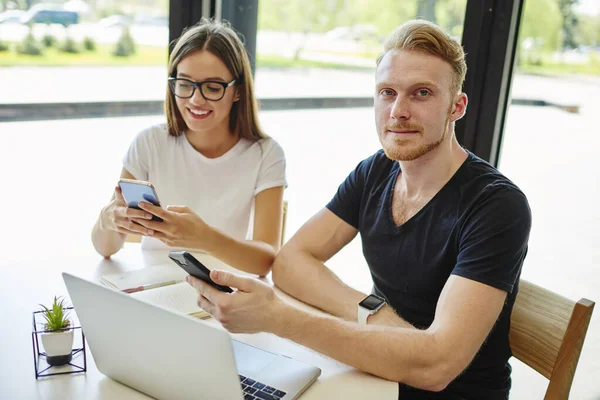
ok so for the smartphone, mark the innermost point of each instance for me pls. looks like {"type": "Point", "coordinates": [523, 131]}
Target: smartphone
{"type": "Point", "coordinates": [135, 191]}
{"type": "Point", "coordinates": [195, 268]}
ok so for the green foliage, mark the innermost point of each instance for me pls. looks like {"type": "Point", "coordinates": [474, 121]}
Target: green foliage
{"type": "Point", "coordinates": [125, 45]}
{"type": "Point", "coordinates": [29, 46]}
{"type": "Point", "coordinates": [70, 46]}
{"type": "Point", "coordinates": [89, 44]}
{"type": "Point", "coordinates": [56, 317]}
{"type": "Point", "coordinates": [384, 15]}
{"type": "Point", "coordinates": [540, 31]}
{"type": "Point", "coordinates": [49, 40]}
{"type": "Point", "coordinates": [4, 46]}
{"type": "Point", "coordinates": [588, 30]}
{"type": "Point", "coordinates": [570, 21]}
{"type": "Point", "coordinates": [426, 10]}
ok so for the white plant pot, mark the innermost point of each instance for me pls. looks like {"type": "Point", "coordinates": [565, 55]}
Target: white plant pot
{"type": "Point", "coordinates": [58, 346]}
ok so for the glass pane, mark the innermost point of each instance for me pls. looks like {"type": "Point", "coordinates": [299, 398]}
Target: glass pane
{"type": "Point", "coordinates": [550, 149]}
{"type": "Point", "coordinates": [327, 48]}
{"type": "Point", "coordinates": [82, 51]}
{"type": "Point", "coordinates": [72, 185]}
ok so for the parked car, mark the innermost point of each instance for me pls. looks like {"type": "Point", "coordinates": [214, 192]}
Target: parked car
{"type": "Point", "coordinates": [50, 16]}
{"type": "Point", "coordinates": [120, 21]}
{"type": "Point", "coordinates": [11, 16]}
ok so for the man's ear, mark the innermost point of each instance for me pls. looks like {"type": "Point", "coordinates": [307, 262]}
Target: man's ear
{"type": "Point", "coordinates": [459, 107]}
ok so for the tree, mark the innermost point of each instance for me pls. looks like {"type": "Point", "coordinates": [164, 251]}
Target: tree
{"type": "Point", "coordinates": [569, 23]}
{"type": "Point", "coordinates": [426, 10]}
{"type": "Point", "coordinates": [540, 30]}
{"type": "Point", "coordinates": [588, 30]}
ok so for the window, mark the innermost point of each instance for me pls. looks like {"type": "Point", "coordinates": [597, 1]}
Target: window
{"type": "Point", "coordinates": [315, 48]}
{"type": "Point", "coordinates": [77, 52]}
{"type": "Point", "coordinates": [550, 149]}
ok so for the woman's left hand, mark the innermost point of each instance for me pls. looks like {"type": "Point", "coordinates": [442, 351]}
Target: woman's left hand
{"type": "Point", "coordinates": [180, 227]}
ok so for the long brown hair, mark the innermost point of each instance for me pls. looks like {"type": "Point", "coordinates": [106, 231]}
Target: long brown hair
{"type": "Point", "coordinates": [221, 40]}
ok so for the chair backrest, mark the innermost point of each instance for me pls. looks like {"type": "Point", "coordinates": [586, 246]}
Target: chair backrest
{"type": "Point", "coordinates": [547, 333]}
{"type": "Point", "coordinates": [138, 238]}
{"type": "Point", "coordinates": [133, 238]}
{"type": "Point", "coordinates": [283, 221]}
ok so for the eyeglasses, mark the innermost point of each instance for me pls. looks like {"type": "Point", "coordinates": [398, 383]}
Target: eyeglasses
{"type": "Point", "coordinates": [210, 90]}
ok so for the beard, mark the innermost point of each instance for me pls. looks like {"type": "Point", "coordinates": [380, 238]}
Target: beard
{"type": "Point", "coordinates": [403, 149]}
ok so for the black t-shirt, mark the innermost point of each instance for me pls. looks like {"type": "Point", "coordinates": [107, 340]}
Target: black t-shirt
{"type": "Point", "coordinates": [477, 227]}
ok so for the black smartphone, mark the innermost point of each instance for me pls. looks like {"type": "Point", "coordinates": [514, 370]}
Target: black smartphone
{"type": "Point", "coordinates": [135, 191]}
{"type": "Point", "coordinates": [192, 266]}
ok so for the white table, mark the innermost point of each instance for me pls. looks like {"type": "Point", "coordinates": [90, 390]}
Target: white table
{"type": "Point", "coordinates": [25, 284]}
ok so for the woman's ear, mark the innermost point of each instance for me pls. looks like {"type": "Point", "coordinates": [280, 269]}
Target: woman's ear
{"type": "Point", "coordinates": [236, 96]}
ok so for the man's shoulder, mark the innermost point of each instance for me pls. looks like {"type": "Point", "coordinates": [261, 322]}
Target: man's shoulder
{"type": "Point", "coordinates": [484, 176]}
{"type": "Point", "coordinates": [483, 183]}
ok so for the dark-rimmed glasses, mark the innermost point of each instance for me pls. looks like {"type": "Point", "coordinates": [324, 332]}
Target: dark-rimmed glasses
{"type": "Point", "coordinates": [210, 90]}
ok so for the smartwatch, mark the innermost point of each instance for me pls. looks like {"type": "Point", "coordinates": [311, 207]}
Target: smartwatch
{"type": "Point", "coordinates": [370, 305]}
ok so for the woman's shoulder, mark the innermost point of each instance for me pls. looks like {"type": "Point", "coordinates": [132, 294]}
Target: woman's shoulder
{"type": "Point", "coordinates": [154, 132]}
{"type": "Point", "coordinates": [270, 147]}
{"type": "Point", "coordinates": [153, 136]}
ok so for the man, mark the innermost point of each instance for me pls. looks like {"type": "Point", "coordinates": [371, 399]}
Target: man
{"type": "Point", "coordinates": [443, 232]}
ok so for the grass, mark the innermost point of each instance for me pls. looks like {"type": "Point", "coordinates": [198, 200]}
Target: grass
{"type": "Point", "coordinates": [589, 68]}
{"type": "Point", "coordinates": [548, 66]}
{"type": "Point", "coordinates": [145, 55]}
{"type": "Point", "coordinates": [148, 55]}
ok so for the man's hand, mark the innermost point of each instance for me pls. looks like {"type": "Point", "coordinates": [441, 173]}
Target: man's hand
{"type": "Point", "coordinates": [181, 227]}
{"type": "Point", "coordinates": [253, 307]}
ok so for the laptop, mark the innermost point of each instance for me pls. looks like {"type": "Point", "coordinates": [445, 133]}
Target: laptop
{"type": "Point", "coordinates": [172, 356]}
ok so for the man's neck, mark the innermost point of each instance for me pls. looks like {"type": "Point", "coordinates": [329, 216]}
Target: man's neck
{"type": "Point", "coordinates": [426, 175]}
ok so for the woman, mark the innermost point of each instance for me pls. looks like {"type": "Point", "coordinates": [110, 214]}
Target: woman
{"type": "Point", "coordinates": [210, 156]}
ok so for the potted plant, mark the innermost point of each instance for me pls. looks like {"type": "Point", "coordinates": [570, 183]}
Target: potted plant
{"type": "Point", "coordinates": [58, 341]}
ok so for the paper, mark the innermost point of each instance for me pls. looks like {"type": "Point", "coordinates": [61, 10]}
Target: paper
{"type": "Point", "coordinates": [144, 276]}
{"type": "Point", "coordinates": [180, 298]}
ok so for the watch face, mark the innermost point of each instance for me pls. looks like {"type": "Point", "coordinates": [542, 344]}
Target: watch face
{"type": "Point", "coordinates": [371, 302]}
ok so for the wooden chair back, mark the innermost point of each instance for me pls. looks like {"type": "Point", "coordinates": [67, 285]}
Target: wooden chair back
{"type": "Point", "coordinates": [547, 333]}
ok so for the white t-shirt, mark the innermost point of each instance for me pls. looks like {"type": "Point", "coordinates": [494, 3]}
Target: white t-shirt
{"type": "Point", "coordinates": [220, 190]}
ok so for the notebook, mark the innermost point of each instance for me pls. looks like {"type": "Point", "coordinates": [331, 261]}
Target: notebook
{"type": "Point", "coordinates": [163, 285]}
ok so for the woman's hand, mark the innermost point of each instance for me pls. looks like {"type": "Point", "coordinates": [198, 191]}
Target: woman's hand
{"type": "Point", "coordinates": [116, 216]}
{"type": "Point", "coordinates": [180, 227]}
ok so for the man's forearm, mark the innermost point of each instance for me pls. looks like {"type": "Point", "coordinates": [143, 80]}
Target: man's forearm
{"type": "Point", "coordinates": [315, 284]}
{"type": "Point", "coordinates": [399, 354]}
{"type": "Point", "coordinates": [304, 277]}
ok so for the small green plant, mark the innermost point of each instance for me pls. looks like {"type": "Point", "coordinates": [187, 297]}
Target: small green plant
{"type": "Point", "coordinates": [49, 40]}
{"type": "Point", "coordinates": [125, 45]}
{"type": "Point", "coordinates": [70, 46]}
{"type": "Point", "coordinates": [89, 44]}
{"type": "Point", "coordinates": [57, 318]}
{"type": "Point", "coordinates": [29, 46]}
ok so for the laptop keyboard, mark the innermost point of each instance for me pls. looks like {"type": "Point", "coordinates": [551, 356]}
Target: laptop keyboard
{"type": "Point", "coordinates": [254, 390]}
